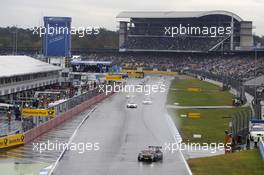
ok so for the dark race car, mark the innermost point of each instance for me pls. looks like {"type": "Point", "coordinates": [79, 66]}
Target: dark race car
{"type": "Point", "coordinates": [131, 105]}
{"type": "Point", "coordinates": [152, 154]}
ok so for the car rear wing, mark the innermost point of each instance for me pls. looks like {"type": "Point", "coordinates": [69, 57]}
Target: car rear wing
{"type": "Point", "coordinates": [155, 147]}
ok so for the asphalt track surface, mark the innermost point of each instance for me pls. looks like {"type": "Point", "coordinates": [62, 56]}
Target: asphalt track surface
{"type": "Point", "coordinates": [122, 133]}
{"type": "Point", "coordinates": [29, 161]}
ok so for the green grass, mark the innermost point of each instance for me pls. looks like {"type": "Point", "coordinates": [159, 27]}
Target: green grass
{"type": "Point", "coordinates": [211, 95]}
{"type": "Point", "coordinates": [211, 125]}
{"type": "Point", "coordinates": [239, 163]}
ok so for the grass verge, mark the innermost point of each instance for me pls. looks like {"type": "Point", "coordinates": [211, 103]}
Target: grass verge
{"type": "Point", "coordinates": [210, 95]}
{"type": "Point", "coordinates": [239, 163]}
{"type": "Point", "coordinates": [211, 125]}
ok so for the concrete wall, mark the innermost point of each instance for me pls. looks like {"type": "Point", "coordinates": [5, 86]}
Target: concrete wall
{"type": "Point", "coordinates": [45, 127]}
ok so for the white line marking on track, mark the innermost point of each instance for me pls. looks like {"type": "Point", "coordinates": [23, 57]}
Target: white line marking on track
{"type": "Point", "coordinates": [70, 141]}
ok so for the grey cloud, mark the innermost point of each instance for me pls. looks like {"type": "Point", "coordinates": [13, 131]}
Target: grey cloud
{"type": "Point", "coordinates": [102, 13]}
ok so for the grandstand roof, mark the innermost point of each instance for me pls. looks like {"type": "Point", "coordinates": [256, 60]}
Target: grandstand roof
{"type": "Point", "coordinates": [21, 65]}
{"type": "Point", "coordinates": [174, 14]}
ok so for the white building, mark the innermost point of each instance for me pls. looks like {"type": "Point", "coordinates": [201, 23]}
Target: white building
{"type": "Point", "coordinates": [22, 73]}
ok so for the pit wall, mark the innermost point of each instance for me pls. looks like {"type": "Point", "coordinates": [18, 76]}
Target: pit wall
{"type": "Point", "coordinates": [45, 127]}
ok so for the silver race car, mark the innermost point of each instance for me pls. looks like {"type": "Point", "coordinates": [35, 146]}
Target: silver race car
{"type": "Point", "coordinates": [152, 154]}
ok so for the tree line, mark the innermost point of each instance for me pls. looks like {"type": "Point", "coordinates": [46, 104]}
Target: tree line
{"type": "Point", "coordinates": [10, 36]}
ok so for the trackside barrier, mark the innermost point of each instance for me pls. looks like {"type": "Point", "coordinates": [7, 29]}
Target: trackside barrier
{"type": "Point", "coordinates": [194, 89]}
{"type": "Point", "coordinates": [240, 120]}
{"type": "Point", "coordinates": [11, 140]}
{"type": "Point", "coordinates": [194, 115]}
{"type": "Point", "coordinates": [150, 72]}
{"type": "Point", "coordinates": [178, 139]}
{"type": "Point", "coordinates": [72, 112]}
{"type": "Point", "coordinates": [159, 72]}
{"type": "Point", "coordinates": [261, 148]}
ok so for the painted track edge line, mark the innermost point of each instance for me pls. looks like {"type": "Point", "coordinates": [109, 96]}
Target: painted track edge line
{"type": "Point", "coordinates": [70, 141]}
{"type": "Point", "coordinates": [175, 131]}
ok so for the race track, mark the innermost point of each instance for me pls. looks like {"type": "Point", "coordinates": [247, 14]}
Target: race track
{"type": "Point", "coordinates": [122, 133]}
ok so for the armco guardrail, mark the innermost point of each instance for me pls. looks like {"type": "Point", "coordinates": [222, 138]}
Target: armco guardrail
{"type": "Point", "coordinates": [261, 148]}
{"type": "Point", "coordinates": [67, 110]}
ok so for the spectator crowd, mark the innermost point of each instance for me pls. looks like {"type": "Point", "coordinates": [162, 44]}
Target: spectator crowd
{"type": "Point", "coordinates": [183, 43]}
{"type": "Point", "coordinates": [238, 66]}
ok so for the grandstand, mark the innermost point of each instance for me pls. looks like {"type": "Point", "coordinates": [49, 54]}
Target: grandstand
{"type": "Point", "coordinates": [241, 66]}
{"type": "Point", "coordinates": [194, 31]}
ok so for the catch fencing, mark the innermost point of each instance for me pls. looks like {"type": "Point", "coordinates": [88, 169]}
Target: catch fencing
{"type": "Point", "coordinates": [61, 108]}
{"type": "Point", "coordinates": [240, 125]}
{"type": "Point", "coordinates": [240, 120]}
{"type": "Point", "coordinates": [76, 106]}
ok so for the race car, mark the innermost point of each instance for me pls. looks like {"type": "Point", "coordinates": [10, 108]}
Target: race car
{"type": "Point", "coordinates": [152, 154]}
{"type": "Point", "coordinates": [147, 101]}
{"type": "Point", "coordinates": [131, 105]}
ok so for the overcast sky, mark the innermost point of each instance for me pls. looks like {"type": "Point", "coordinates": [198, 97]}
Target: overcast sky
{"type": "Point", "coordinates": [102, 13]}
